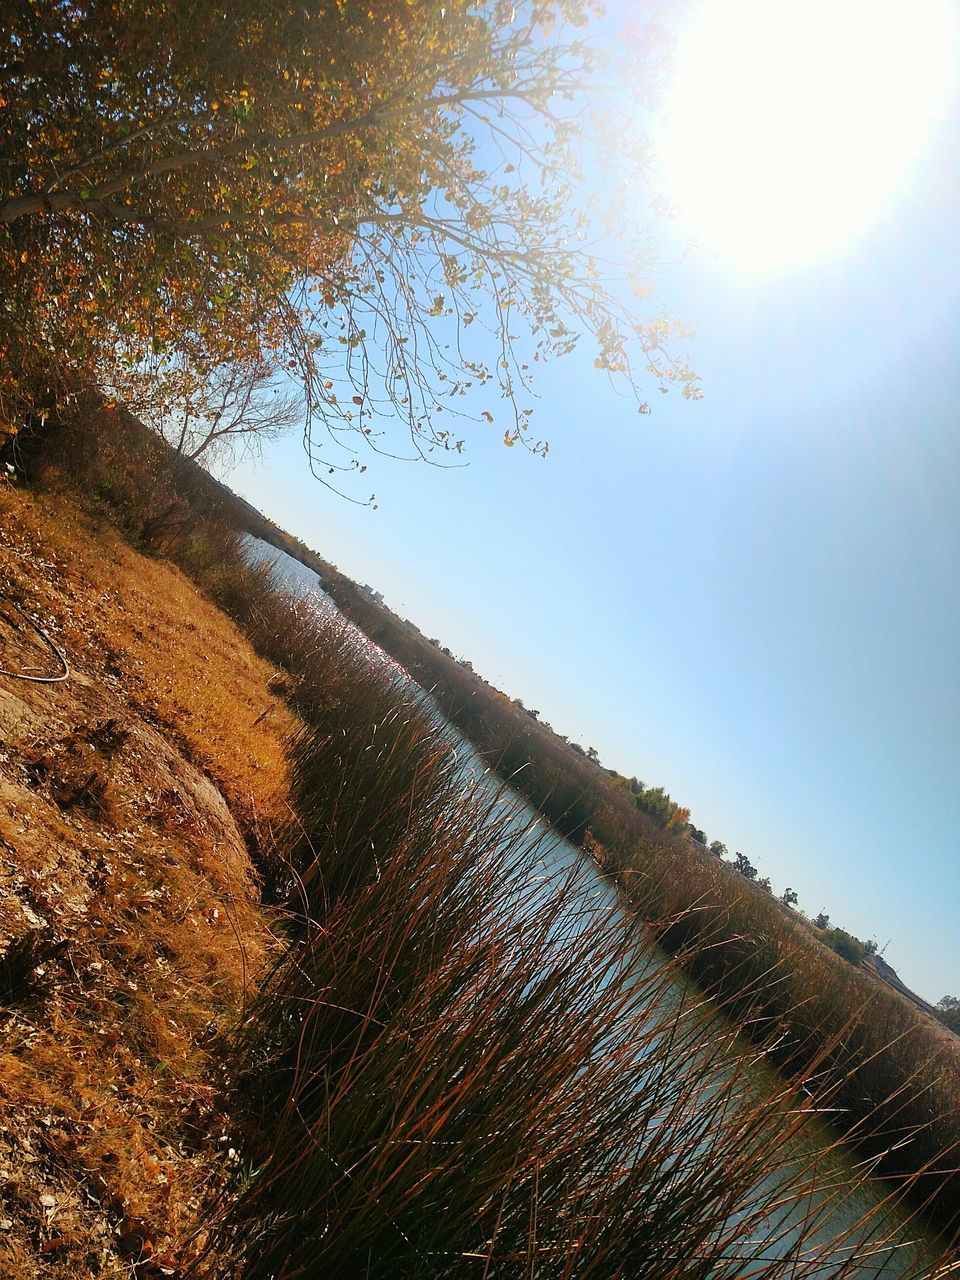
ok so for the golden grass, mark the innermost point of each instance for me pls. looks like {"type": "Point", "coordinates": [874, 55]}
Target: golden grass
{"type": "Point", "coordinates": [139, 624]}
{"type": "Point", "coordinates": [117, 847]}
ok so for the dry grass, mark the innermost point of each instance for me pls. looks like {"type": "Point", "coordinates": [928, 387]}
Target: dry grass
{"type": "Point", "coordinates": [360, 1057]}
{"type": "Point", "coordinates": [458, 1069]}
{"type": "Point", "coordinates": [125, 891]}
{"type": "Point", "coordinates": [139, 625]}
{"type": "Point", "coordinates": [896, 1070]}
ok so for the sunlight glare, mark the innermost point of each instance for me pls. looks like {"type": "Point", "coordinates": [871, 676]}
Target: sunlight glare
{"type": "Point", "coordinates": [788, 124]}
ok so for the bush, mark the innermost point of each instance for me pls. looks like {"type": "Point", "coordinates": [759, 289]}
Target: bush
{"type": "Point", "coordinates": [844, 944]}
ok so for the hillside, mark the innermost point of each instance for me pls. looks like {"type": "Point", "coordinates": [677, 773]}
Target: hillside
{"type": "Point", "coordinates": [131, 795]}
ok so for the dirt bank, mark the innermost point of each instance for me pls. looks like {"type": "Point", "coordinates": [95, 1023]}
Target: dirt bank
{"type": "Point", "coordinates": [129, 916]}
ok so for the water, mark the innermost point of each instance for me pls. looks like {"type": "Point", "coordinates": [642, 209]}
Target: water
{"type": "Point", "coordinates": [889, 1248]}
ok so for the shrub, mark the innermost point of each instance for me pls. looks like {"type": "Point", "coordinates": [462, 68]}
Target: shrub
{"type": "Point", "coordinates": [844, 944]}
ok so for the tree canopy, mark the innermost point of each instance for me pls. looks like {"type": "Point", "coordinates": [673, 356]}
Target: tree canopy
{"type": "Point", "coordinates": [948, 1011]}
{"type": "Point", "coordinates": [745, 866]}
{"type": "Point", "coordinates": [387, 203]}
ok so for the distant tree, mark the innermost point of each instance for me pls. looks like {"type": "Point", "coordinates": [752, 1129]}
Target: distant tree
{"type": "Point", "coordinates": [233, 409]}
{"type": "Point", "coordinates": [656, 804]}
{"type": "Point", "coordinates": [844, 944]}
{"type": "Point", "coordinates": [592, 753]}
{"type": "Point", "coordinates": [822, 921]}
{"type": "Point", "coordinates": [789, 898]}
{"type": "Point", "coordinates": [698, 835]}
{"type": "Point", "coordinates": [870, 947]}
{"type": "Point", "coordinates": [718, 848]}
{"type": "Point", "coordinates": [679, 820]}
{"type": "Point", "coordinates": [745, 866]}
{"type": "Point", "coordinates": [948, 1011]}
{"type": "Point", "coordinates": [765, 883]}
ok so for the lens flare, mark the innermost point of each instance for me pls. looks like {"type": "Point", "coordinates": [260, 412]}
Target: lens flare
{"type": "Point", "coordinates": [788, 125]}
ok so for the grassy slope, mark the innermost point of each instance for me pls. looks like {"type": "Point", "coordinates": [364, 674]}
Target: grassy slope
{"type": "Point", "coordinates": [118, 853]}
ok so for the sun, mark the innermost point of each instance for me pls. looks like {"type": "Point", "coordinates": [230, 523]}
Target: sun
{"type": "Point", "coordinates": [789, 124]}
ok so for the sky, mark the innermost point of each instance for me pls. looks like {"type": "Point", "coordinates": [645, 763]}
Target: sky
{"type": "Point", "coordinates": [752, 600]}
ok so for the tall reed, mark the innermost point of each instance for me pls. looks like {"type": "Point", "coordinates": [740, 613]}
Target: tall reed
{"type": "Point", "coordinates": [461, 1067]}
{"type": "Point", "coordinates": [894, 1073]}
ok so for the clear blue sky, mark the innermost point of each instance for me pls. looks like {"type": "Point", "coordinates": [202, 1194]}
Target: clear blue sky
{"type": "Point", "coordinates": [753, 601]}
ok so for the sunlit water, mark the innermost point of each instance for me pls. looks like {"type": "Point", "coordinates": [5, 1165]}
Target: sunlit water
{"type": "Point", "coordinates": [889, 1248]}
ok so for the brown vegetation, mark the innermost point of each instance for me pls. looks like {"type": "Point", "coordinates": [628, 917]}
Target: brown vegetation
{"type": "Point", "coordinates": [897, 1076]}
{"type": "Point", "coordinates": [129, 924]}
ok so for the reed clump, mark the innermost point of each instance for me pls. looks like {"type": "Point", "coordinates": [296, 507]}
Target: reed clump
{"type": "Point", "coordinates": [894, 1074]}
{"type": "Point", "coordinates": [464, 1062]}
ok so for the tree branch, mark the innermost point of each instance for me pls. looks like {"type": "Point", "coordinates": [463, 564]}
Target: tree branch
{"type": "Point", "coordinates": [53, 201]}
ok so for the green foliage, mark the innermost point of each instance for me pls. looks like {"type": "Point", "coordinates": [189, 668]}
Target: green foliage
{"type": "Point", "coordinates": [948, 1011]}
{"type": "Point", "coordinates": [656, 803]}
{"type": "Point", "coordinates": [844, 944]}
{"type": "Point", "coordinates": [745, 866]}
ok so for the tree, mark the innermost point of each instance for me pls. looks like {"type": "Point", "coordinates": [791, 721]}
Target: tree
{"type": "Point", "coordinates": [745, 866]}
{"type": "Point", "coordinates": [718, 848]}
{"type": "Point", "coordinates": [299, 186]}
{"type": "Point", "coordinates": [822, 921]}
{"type": "Point", "coordinates": [234, 410]}
{"type": "Point", "coordinates": [844, 944]}
{"type": "Point", "coordinates": [656, 803]}
{"type": "Point", "coordinates": [679, 820]}
{"type": "Point", "coordinates": [948, 1011]}
{"type": "Point", "coordinates": [789, 898]}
